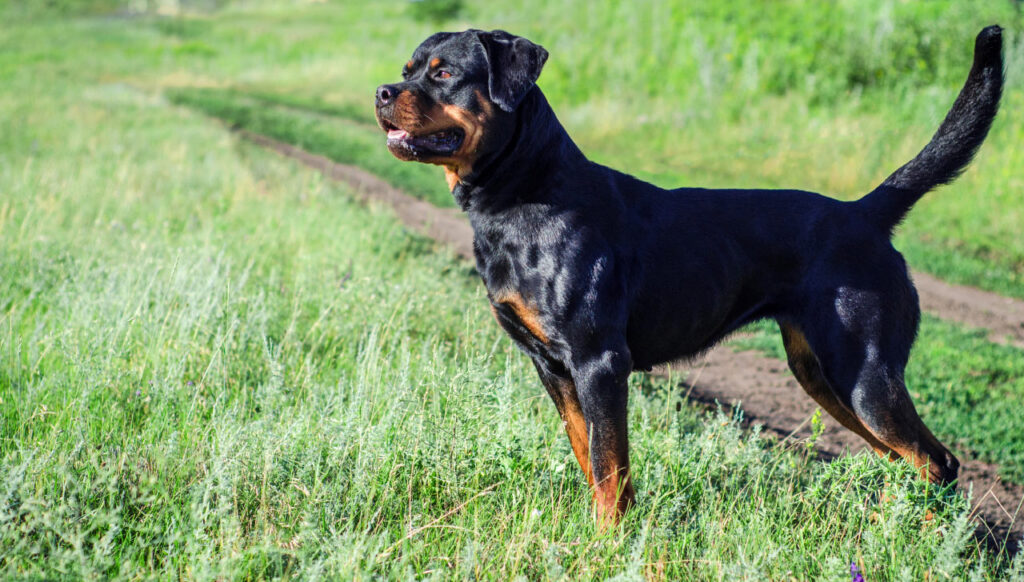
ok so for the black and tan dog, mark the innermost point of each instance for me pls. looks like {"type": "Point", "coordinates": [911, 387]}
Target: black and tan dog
{"type": "Point", "coordinates": [595, 273]}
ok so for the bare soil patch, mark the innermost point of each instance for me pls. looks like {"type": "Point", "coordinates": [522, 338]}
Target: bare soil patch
{"type": "Point", "coordinates": [1003, 317]}
{"type": "Point", "coordinates": [768, 393]}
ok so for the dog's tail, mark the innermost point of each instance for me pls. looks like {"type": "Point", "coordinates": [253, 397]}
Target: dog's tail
{"type": "Point", "coordinates": [953, 145]}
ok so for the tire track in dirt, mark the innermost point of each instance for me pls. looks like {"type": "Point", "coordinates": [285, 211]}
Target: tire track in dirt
{"type": "Point", "coordinates": [768, 393]}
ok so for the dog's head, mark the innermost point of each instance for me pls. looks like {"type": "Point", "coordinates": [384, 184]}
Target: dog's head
{"type": "Point", "coordinates": [458, 97]}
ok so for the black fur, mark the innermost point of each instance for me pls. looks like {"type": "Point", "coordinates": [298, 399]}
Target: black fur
{"type": "Point", "coordinates": [594, 273]}
{"type": "Point", "coordinates": [520, 62]}
{"type": "Point", "coordinates": [956, 141]}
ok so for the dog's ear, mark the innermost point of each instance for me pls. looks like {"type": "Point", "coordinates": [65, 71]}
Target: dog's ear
{"type": "Point", "coordinates": [513, 64]}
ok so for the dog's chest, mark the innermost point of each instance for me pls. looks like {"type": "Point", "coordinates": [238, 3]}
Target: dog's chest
{"type": "Point", "coordinates": [520, 318]}
{"type": "Point", "coordinates": [523, 279]}
{"type": "Point", "coordinates": [517, 301]}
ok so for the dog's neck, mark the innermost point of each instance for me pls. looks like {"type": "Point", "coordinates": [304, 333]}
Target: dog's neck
{"type": "Point", "coordinates": [511, 174]}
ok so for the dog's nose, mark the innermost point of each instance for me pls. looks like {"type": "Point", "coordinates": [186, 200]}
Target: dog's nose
{"type": "Point", "coordinates": [385, 94]}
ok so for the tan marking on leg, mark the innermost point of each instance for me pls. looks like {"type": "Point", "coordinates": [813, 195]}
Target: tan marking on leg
{"type": "Point", "coordinates": [613, 494]}
{"type": "Point", "coordinates": [892, 446]}
{"type": "Point", "coordinates": [563, 393]}
{"type": "Point", "coordinates": [917, 458]}
{"type": "Point", "coordinates": [801, 356]}
{"type": "Point", "coordinates": [576, 428]}
{"type": "Point", "coordinates": [915, 453]}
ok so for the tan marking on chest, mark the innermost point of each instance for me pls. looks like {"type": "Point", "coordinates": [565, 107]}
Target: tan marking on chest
{"type": "Point", "coordinates": [451, 176]}
{"type": "Point", "coordinates": [527, 315]}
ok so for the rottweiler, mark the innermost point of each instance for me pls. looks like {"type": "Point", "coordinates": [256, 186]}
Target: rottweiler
{"type": "Point", "coordinates": [595, 273]}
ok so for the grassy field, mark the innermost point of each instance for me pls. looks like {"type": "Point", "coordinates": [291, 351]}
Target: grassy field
{"type": "Point", "coordinates": [215, 365]}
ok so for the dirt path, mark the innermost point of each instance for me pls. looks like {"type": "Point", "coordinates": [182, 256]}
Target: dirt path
{"type": "Point", "coordinates": [767, 391]}
{"type": "Point", "coordinates": [1002, 316]}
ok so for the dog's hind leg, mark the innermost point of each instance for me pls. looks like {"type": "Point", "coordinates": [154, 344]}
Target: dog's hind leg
{"type": "Point", "coordinates": [881, 401]}
{"type": "Point", "coordinates": [807, 370]}
{"type": "Point", "coordinates": [863, 339]}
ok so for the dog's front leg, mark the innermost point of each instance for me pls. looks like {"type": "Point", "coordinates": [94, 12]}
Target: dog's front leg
{"type": "Point", "coordinates": [601, 382]}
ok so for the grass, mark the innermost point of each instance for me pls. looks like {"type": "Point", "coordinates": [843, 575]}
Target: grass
{"type": "Point", "coordinates": [213, 364]}
{"type": "Point", "coordinates": [289, 385]}
{"type": "Point", "coordinates": [954, 392]}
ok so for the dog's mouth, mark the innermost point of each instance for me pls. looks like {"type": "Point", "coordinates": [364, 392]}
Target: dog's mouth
{"type": "Point", "coordinates": [439, 143]}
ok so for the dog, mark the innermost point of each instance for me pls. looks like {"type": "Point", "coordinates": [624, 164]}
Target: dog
{"type": "Point", "coordinates": [595, 273]}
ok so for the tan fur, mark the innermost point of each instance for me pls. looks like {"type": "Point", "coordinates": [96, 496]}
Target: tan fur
{"type": "Point", "coordinates": [526, 314]}
{"type": "Point", "coordinates": [412, 115]}
{"type": "Point", "coordinates": [474, 125]}
{"type": "Point", "coordinates": [575, 426]}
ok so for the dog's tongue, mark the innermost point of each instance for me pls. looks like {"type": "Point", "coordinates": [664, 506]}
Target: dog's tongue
{"type": "Point", "coordinates": [397, 134]}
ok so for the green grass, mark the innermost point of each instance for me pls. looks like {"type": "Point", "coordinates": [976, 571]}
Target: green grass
{"type": "Point", "coordinates": [955, 392]}
{"type": "Point", "coordinates": [214, 365]}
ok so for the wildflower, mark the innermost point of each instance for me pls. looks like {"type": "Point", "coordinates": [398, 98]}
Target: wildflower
{"type": "Point", "coordinates": [855, 573]}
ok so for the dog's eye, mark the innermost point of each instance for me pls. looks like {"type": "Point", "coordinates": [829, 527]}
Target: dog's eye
{"type": "Point", "coordinates": [442, 74]}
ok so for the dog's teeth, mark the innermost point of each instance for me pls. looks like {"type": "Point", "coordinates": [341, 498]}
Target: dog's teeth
{"type": "Point", "coordinates": [398, 134]}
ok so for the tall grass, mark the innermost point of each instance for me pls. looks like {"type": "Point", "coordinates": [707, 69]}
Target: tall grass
{"type": "Point", "coordinates": [696, 53]}
{"type": "Point", "coordinates": [213, 364]}
{"type": "Point", "coordinates": [216, 365]}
